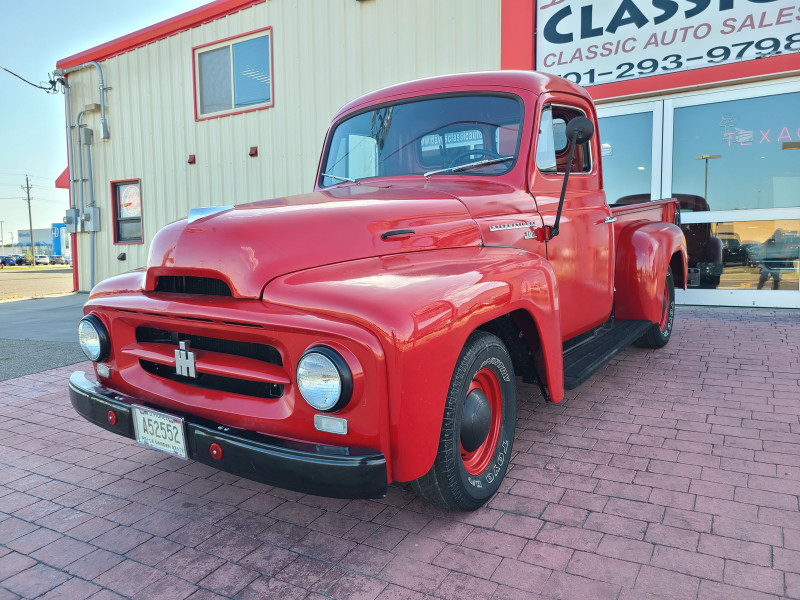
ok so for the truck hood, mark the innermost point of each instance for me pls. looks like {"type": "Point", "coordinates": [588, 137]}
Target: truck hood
{"type": "Point", "coordinates": [250, 244]}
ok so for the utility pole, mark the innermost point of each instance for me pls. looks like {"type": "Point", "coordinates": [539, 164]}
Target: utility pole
{"type": "Point", "coordinates": [27, 189]}
{"type": "Point", "coordinates": [2, 238]}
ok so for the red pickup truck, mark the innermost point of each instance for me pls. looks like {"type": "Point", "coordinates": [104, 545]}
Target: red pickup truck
{"type": "Point", "coordinates": [372, 331]}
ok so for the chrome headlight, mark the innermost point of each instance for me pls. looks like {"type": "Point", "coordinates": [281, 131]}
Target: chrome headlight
{"type": "Point", "coordinates": [93, 338]}
{"type": "Point", "coordinates": [324, 379]}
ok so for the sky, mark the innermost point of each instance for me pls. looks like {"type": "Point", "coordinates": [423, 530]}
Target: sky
{"type": "Point", "coordinates": [34, 35]}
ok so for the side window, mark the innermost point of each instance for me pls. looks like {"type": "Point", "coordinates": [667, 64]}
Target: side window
{"type": "Point", "coordinates": [552, 148]}
{"type": "Point", "coordinates": [545, 147]}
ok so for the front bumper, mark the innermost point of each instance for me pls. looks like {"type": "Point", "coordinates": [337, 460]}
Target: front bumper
{"type": "Point", "coordinates": [333, 471]}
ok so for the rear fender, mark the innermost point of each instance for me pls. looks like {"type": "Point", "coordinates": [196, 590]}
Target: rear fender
{"type": "Point", "coordinates": [423, 308]}
{"type": "Point", "coordinates": [644, 251]}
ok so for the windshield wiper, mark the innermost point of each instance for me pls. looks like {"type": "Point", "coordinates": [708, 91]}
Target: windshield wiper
{"type": "Point", "coordinates": [468, 166]}
{"type": "Point", "coordinates": [340, 178]}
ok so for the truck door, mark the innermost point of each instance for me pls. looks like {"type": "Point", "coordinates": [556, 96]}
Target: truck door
{"type": "Point", "coordinates": [582, 253]}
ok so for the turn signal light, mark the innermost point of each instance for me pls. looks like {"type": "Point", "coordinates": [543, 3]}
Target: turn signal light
{"type": "Point", "coordinates": [112, 417]}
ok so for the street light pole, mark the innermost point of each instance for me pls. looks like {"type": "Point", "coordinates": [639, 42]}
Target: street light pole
{"type": "Point", "coordinates": [706, 158]}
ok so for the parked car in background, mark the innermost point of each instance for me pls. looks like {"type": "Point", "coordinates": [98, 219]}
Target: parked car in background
{"type": "Point", "coordinates": [8, 261]}
{"type": "Point", "coordinates": [58, 260]}
{"type": "Point", "coordinates": [733, 251]}
{"type": "Point", "coordinates": [42, 259]}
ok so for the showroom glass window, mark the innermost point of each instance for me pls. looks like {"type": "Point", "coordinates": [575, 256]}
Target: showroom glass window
{"type": "Point", "coordinates": [739, 154]}
{"type": "Point", "coordinates": [234, 75]}
{"type": "Point", "coordinates": [626, 143]}
{"type": "Point", "coordinates": [127, 198]}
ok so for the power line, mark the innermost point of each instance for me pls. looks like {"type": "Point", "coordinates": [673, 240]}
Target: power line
{"type": "Point", "coordinates": [48, 178]}
{"type": "Point", "coordinates": [49, 90]}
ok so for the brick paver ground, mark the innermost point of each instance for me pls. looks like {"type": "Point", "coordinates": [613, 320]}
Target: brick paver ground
{"type": "Point", "coordinates": [670, 474]}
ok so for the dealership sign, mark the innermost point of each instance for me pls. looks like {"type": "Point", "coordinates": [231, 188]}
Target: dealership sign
{"type": "Point", "coordinates": [603, 41]}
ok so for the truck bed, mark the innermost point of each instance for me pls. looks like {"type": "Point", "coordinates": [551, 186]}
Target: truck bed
{"type": "Point", "coordinates": [655, 210]}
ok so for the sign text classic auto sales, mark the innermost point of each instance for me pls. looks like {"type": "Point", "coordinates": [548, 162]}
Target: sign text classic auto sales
{"type": "Point", "coordinates": [600, 41]}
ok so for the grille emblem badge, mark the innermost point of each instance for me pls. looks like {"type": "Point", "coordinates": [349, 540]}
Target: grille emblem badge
{"type": "Point", "coordinates": [185, 361]}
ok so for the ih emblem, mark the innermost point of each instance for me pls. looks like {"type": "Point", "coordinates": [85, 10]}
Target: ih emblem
{"type": "Point", "coordinates": [185, 361]}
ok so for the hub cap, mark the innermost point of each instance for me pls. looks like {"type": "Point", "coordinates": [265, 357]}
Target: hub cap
{"type": "Point", "coordinates": [481, 420]}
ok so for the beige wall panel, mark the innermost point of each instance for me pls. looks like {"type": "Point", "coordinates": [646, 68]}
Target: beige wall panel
{"type": "Point", "coordinates": [325, 53]}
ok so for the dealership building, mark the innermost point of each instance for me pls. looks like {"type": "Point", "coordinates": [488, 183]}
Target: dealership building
{"type": "Point", "coordinates": [229, 103]}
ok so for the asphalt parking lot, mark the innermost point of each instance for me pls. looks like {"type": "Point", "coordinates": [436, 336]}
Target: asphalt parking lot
{"type": "Point", "coordinates": [39, 333]}
{"type": "Point", "coordinates": [669, 474]}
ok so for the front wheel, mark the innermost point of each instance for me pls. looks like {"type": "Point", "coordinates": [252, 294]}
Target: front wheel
{"type": "Point", "coordinates": [477, 429]}
{"type": "Point", "coordinates": [658, 335]}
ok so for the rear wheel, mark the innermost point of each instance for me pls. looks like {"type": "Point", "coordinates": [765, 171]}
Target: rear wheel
{"type": "Point", "coordinates": [477, 429]}
{"type": "Point", "coordinates": [658, 335]}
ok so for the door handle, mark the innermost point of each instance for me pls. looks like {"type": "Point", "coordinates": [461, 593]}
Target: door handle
{"type": "Point", "coordinates": [610, 220]}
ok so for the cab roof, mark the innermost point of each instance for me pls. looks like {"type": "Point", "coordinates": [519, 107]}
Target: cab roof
{"type": "Point", "coordinates": [530, 81]}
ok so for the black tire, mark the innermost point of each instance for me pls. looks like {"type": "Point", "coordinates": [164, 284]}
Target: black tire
{"type": "Point", "coordinates": [658, 335]}
{"type": "Point", "coordinates": [465, 478]}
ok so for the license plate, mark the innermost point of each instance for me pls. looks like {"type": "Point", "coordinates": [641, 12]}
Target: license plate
{"type": "Point", "coordinates": [159, 430]}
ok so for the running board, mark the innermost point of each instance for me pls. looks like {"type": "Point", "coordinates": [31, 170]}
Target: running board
{"type": "Point", "coordinates": [582, 361]}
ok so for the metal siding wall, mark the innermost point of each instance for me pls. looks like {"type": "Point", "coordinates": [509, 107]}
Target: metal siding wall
{"type": "Point", "coordinates": [325, 53]}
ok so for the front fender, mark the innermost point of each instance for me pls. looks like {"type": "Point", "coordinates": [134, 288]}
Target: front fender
{"type": "Point", "coordinates": [644, 251]}
{"type": "Point", "coordinates": [423, 307]}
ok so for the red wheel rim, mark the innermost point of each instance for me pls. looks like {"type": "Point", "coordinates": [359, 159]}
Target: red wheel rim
{"type": "Point", "coordinates": [476, 462]}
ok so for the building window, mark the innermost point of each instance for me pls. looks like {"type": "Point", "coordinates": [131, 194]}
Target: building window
{"type": "Point", "coordinates": [234, 75]}
{"type": "Point", "coordinates": [127, 198]}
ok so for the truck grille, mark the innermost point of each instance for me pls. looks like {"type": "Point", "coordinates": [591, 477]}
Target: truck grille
{"type": "Point", "coordinates": [178, 284]}
{"type": "Point", "coordinates": [262, 352]}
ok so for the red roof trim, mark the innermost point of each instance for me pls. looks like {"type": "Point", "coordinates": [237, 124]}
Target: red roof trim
{"type": "Point", "coordinates": [137, 39]}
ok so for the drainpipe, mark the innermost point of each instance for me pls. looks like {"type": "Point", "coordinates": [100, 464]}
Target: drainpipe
{"type": "Point", "coordinates": [70, 169]}
{"type": "Point", "coordinates": [81, 177]}
{"type": "Point", "coordinates": [88, 135]}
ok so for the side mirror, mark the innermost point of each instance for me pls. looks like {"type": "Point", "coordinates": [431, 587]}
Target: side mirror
{"type": "Point", "coordinates": [578, 131]}
{"type": "Point", "coordinates": [584, 128]}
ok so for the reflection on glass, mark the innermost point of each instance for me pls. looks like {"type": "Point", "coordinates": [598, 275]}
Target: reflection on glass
{"type": "Point", "coordinates": [752, 142]}
{"type": "Point", "coordinates": [746, 255]}
{"type": "Point", "coordinates": [626, 146]}
{"type": "Point", "coordinates": [251, 71]}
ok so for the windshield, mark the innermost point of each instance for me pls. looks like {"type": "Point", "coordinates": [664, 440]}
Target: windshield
{"type": "Point", "coordinates": [425, 136]}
